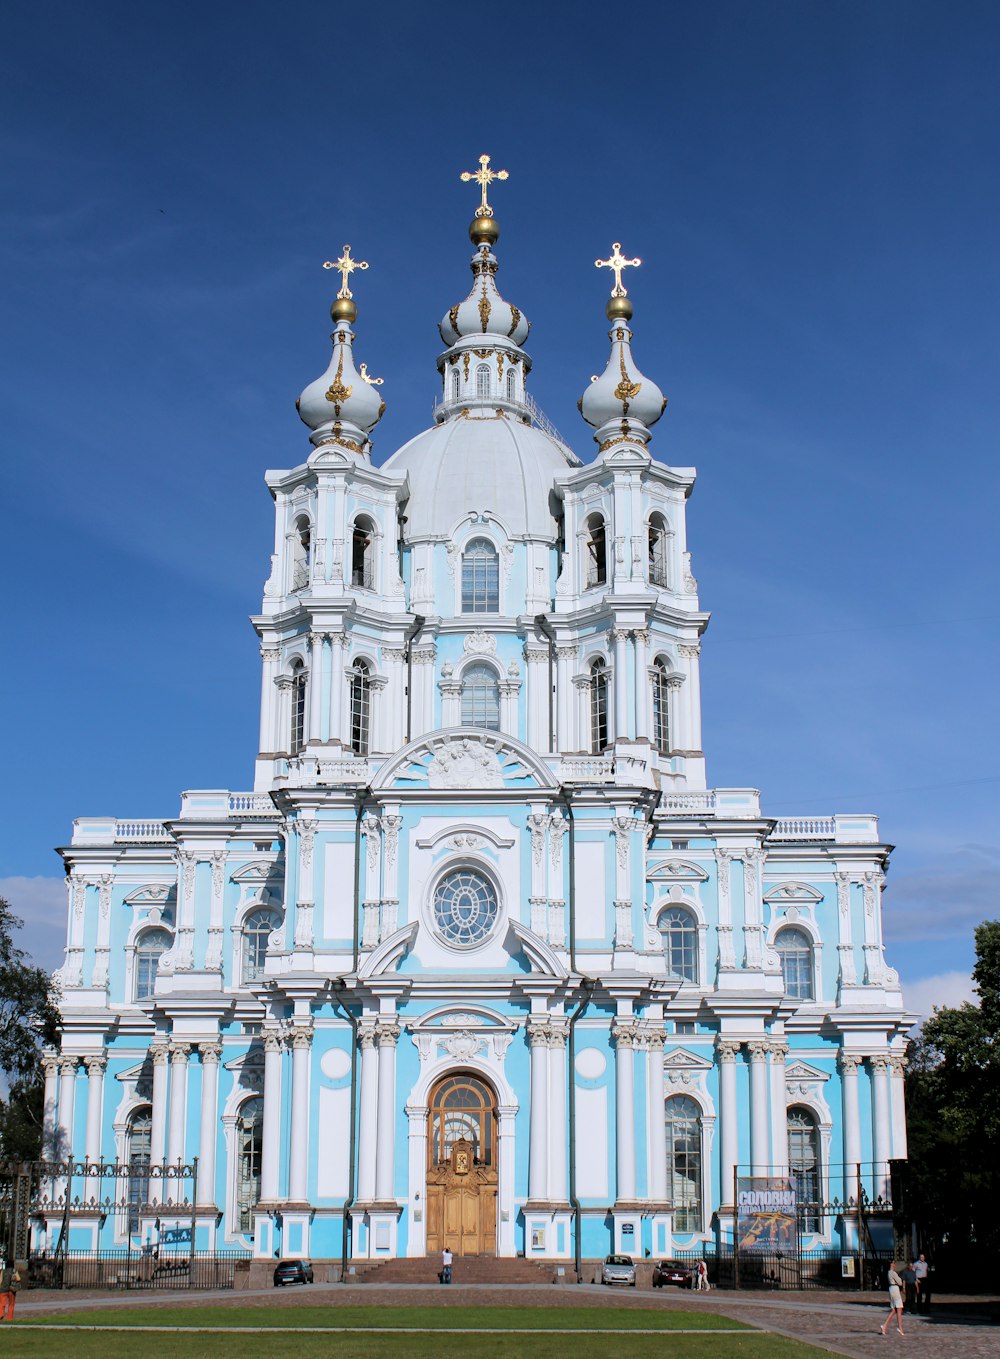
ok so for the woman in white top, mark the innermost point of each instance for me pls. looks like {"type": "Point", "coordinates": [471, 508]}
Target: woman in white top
{"type": "Point", "coordinates": [895, 1300]}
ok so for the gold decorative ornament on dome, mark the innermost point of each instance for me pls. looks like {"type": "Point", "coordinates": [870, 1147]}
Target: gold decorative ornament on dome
{"type": "Point", "coordinates": [366, 377]}
{"type": "Point", "coordinates": [617, 263]}
{"type": "Point", "coordinates": [346, 266]}
{"type": "Point", "coordinates": [484, 177]}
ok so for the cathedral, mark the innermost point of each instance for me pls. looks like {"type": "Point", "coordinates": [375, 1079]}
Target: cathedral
{"type": "Point", "coordinates": [482, 961]}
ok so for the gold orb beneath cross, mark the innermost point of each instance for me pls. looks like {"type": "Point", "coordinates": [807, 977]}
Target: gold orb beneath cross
{"type": "Point", "coordinates": [344, 310]}
{"type": "Point", "coordinates": [484, 230]}
{"type": "Point", "coordinates": [618, 309]}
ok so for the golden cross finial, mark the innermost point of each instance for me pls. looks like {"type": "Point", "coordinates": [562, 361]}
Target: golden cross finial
{"type": "Point", "coordinates": [484, 177]}
{"type": "Point", "coordinates": [367, 377]}
{"type": "Point", "coordinates": [346, 266]}
{"type": "Point", "coordinates": [617, 262]}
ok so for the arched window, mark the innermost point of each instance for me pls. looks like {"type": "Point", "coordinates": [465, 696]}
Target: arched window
{"type": "Point", "coordinates": [455, 384]}
{"type": "Point", "coordinates": [598, 707]}
{"type": "Point", "coordinates": [465, 907]}
{"type": "Point", "coordinates": [462, 1107]}
{"type": "Point", "coordinates": [657, 551]}
{"type": "Point", "coordinates": [138, 1148]}
{"type": "Point", "coordinates": [803, 1166]}
{"type": "Point", "coordinates": [483, 381]}
{"type": "Point", "coordinates": [597, 552]}
{"type": "Point", "coordinates": [679, 933]}
{"type": "Point", "coordinates": [149, 948]}
{"type": "Point", "coordinates": [794, 948]}
{"type": "Point", "coordinates": [511, 385]}
{"type": "Point", "coordinates": [682, 1117]}
{"type": "Point", "coordinates": [481, 698]}
{"type": "Point", "coordinates": [361, 707]}
{"type": "Point", "coordinates": [257, 930]}
{"type": "Point", "coordinates": [661, 707]}
{"type": "Point", "coordinates": [297, 736]}
{"type": "Point", "coordinates": [249, 1141]}
{"type": "Point", "coordinates": [363, 555]}
{"type": "Point", "coordinates": [480, 577]}
{"type": "Point", "coordinates": [302, 553]}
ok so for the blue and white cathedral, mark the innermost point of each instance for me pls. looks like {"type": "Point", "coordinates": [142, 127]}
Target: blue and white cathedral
{"type": "Point", "coordinates": [482, 960]}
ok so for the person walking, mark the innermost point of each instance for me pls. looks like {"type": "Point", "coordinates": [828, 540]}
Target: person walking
{"type": "Point", "coordinates": [701, 1270]}
{"type": "Point", "coordinates": [446, 1258]}
{"type": "Point", "coordinates": [909, 1277]}
{"type": "Point", "coordinates": [10, 1282]}
{"type": "Point", "coordinates": [895, 1300]}
{"type": "Point", "coordinates": [921, 1269]}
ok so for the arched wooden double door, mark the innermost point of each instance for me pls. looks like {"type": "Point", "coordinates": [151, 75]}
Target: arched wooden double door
{"type": "Point", "coordinates": [462, 1167]}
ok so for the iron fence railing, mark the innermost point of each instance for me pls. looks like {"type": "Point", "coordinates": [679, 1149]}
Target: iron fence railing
{"type": "Point", "coordinates": [144, 1270]}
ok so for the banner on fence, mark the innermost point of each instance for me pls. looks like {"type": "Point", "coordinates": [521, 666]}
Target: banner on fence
{"type": "Point", "coordinates": [765, 1213]}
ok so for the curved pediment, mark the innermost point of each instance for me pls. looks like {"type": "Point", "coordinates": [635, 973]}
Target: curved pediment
{"type": "Point", "coordinates": [792, 894]}
{"type": "Point", "coordinates": [464, 758]}
{"type": "Point", "coordinates": [675, 870]}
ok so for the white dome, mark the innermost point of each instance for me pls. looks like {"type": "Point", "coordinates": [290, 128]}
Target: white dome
{"type": "Point", "coordinates": [481, 463]}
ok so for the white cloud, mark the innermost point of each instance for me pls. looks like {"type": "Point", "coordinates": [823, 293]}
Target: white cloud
{"type": "Point", "coordinates": [41, 904]}
{"type": "Point", "coordinates": [946, 896]}
{"type": "Point", "coordinates": [946, 988]}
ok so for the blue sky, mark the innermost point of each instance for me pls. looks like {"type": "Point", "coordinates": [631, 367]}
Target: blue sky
{"type": "Point", "coordinates": [814, 193]}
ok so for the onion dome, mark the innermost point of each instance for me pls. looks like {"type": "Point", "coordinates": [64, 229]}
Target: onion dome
{"type": "Point", "coordinates": [621, 404]}
{"type": "Point", "coordinates": [342, 406]}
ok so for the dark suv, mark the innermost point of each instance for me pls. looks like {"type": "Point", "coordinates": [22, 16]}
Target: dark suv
{"type": "Point", "coordinates": [292, 1271]}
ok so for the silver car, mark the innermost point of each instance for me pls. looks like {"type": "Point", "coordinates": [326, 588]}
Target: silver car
{"type": "Point", "coordinates": [618, 1269]}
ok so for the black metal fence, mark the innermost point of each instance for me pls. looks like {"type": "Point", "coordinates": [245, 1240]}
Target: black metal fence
{"type": "Point", "coordinates": [826, 1268]}
{"type": "Point", "coordinates": [135, 1270]}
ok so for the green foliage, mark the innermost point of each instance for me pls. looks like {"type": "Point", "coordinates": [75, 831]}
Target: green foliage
{"type": "Point", "coordinates": [28, 1020]}
{"type": "Point", "coordinates": [953, 1113]}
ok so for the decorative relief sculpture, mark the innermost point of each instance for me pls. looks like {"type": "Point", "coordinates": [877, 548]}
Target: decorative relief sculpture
{"type": "Point", "coordinates": [464, 764]}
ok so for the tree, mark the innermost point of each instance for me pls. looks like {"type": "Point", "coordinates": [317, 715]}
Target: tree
{"type": "Point", "coordinates": [953, 1117]}
{"type": "Point", "coordinates": [29, 1020]}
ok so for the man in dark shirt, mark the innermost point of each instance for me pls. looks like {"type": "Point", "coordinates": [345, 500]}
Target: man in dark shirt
{"type": "Point", "coordinates": [909, 1277]}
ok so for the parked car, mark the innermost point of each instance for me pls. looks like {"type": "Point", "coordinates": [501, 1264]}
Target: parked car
{"type": "Point", "coordinates": [672, 1272]}
{"type": "Point", "coordinates": [292, 1271]}
{"type": "Point", "coordinates": [618, 1269]}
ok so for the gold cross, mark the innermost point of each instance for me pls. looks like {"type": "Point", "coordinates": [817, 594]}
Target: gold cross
{"type": "Point", "coordinates": [617, 262]}
{"type": "Point", "coordinates": [346, 266]}
{"type": "Point", "coordinates": [484, 177]}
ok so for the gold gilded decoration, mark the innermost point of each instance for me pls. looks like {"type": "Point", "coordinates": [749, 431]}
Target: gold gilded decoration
{"type": "Point", "coordinates": [484, 311]}
{"type": "Point", "coordinates": [482, 353]}
{"type": "Point", "coordinates": [515, 322]}
{"type": "Point", "coordinates": [484, 177]}
{"type": "Point", "coordinates": [381, 411]}
{"type": "Point", "coordinates": [366, 377]}
{"type": "Point", "coordinates": [347, 266]}
{"type": "Point", "coordinates": [626, 390]}
{"type": "Point", "coordinates": [617, 263]}
{"type": "Point", "coordinates": [337, 392]}
{"type": "Point", "coordinates": [499, 367]}
{"type": "Point", "coordinates": [465, 365]}
{"type": "Point", "coordinates": [453, 317]}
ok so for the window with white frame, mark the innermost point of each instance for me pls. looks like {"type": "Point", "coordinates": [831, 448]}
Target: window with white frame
{"type": "Point", "coordinates": [301, 553]}
{"type": "Point", "coordinates": [138, 1149]}
{"type": "Point", "coordinates": [249, 1148]}
{"type": "Point", "coordinates": [481, 698]}
{"type": "Point", "coordinates": [455, 384]}
{"type": "Point", "coordinates": [297, 735]}
{"type": "Point", "coordinates": [511, 385]}
{"type": "Point", "coordinates": [803, 1166]}
{"type": "Point", "coordinates": [596, 560]}
{"type": "Point", "coordinates": [149, 949]}
{"type": "Point", "coordinates": [257, 930]}
{"type": "Point", "coordinates": [465, 907]}
{"type": "Point", "coordinates": [480, 577]}
{"type": "Point", "coordinates": [682, 1117]}
{"type": "Point", "coordinates": [661, 707]}
{"type": "Point", "coordinates": [361, 707]}
{"type": "Point", "coordinates": [679, 932]}
{"type": "Point", "coordinates": [363, 555]}
{"type": "Point", "coordinates": [794, 948]}
{"type": "Point", "coordinates": [657, 551]}
{"type": "Point", "coordinates": [598, 707]}
{"type": "Point", "coordinates": [483, 381]}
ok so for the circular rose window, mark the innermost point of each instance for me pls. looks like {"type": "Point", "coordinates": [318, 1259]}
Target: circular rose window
{"type": "Point", "coordinates": [465, 907]}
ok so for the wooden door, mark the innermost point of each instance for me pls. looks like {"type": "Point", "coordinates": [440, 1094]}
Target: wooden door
{"type": "Point", "coordinates": [462, 1179]}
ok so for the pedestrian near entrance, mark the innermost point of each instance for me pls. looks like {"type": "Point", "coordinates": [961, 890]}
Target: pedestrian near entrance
{"type": "Point", "coordinates": [10, 1282]}
{"type": "Point", "coordinates": [921, 1269]}
{"type": "Point", "coordinates": [909, 1277]}
{"type": "Point", "coordinates": [701, 1277]}
{"type": "Point", "coordinates": [446, 1266]}
{"type": "Point", "coordinates": [895, 1300]}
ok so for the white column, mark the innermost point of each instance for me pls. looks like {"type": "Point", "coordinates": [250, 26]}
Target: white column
{"type": "Point", "coordinates": [779, 1110]}
{"type": "Point", "coordinates": [852, 1123]}
{"type": "Point", "coordinates": [727, 951]}
{"type": "Point", "coordinates": [268, 726]}
{"type": "Point", "coordinates": [367, 1130]}
{"type": "Point", "coordinates": [271, 1132]}
{"type": "Point", "coordinates": [304, 905]}
{"type": "Point", "coordinates": [507, 1213]}
{"type": "Point", "coordinates": [283, 715]}
{"type": "Point", "coordinates": [641, 641]}
{"type": "Point", "coordinates": [158, 1128]}
{"type": "Point", "coordinates": [557, 1113]}
{"type": "Point", "coordinates": [657, 1128]}
{"type": "Point", "coordinates": [338, 701]}
{"type": "Point", "coordinates": [620, 639]}
{"type": "Point", "coordinates": [95, 1105]}
{"type": "Point", "coordinates": [177, 1121]}
{"type": "Point", "coordinates": [539, 1133]}
{"type": "Point", "coordinates": [565, 656]}
{"type": "Point", "coordinates": [102, 950]}
{"type": "Point", "coordinates": [623, 1031]}
{"type": "Point", "coordinates": [67, 1106]}
{"type": "Point", "coordinates": [760, 1158]}
{"type": "Point", "coordinates": [385, 1147]}
{"type": "Point", "coordinates": [845, 944]}
{"type": "Point", "coordinates": [417, 1179]}
{"type": "Point", "coordinates": [898, 1065]}
{"type": "Point", "coordinates": [692, 736]}
{"type": "Point", "coordinates": [882, 1130]}
{"type": "Point", "coordinates": [298, 1159]}
{"type": "Point", "coordinates": [50, 1104]}
{"type": "Point", "coordinates": [315, 694]}
{"type": "Point", "coordinates": [728, 1116]}
{"type": "Point", "coordinates": [325, 688]}
{"type": "Point", "coordinates": [537, 678]}
{"type": "Point", "coordinates": [211, 1054]}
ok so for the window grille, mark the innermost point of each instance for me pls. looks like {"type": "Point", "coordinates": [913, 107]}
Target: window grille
{"type": "Point", "coordinates": [657, 553]}
{"type": "Point", "coordinates": [151, 945]}
{"type": "Point", "coordinates": [803, 1166]}
{"type": "Point", "coordinates": [250, 1136]}
{"type": "Point", "coordinates": [598, 707]}
{"type": "Point", "coordinates": [480, 577]}
{"type": "Point", "coordinates": [680, 943]}
{"type": "Point", "coordinates": [661, 708]}
{"type": "Point", "coordinates": [483, 381]}
{"type": "Point", "coordinates": [465, 907]}
{"type": "Point", "coordinates": [257, 930]}
{"type": "Point", "coordinates": [462, 1107]}
{"type": "Point", "coordinates": [480, 698]}
{"type": "Point", "coordinates": [597, 558]}
{"type": "Point", "coordinates": [361, 708]}
{"type": "Point", "coordinates": [682, 1117]}
{"type": "Point", "coordinates": [794, 948]}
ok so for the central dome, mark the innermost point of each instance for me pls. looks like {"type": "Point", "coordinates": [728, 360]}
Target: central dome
{"type": "Point", "coordinates": [475, 463]}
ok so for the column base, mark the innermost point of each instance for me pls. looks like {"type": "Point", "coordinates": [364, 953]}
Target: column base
{"type": "Point", "coordinates": [296, 1220]}
{"type": "Point", "coordinates": [375, 1230]}
{"type": "Point", "coordinates": [627, 1219]}
{"type": "Point", "coordinates": [547, 1233]}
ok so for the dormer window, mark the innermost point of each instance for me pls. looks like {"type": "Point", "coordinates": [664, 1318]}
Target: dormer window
{"type": "Point", "coordinates": [363, 555]}
{"type": "Point", "coordinates": [480, 577]}
{"type": "Point", "coordinates": [596, 552]}
{"type": "Point", "coordinates": [483, 382]}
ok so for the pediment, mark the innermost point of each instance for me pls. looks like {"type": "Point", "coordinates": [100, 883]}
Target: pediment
{"type": "Point", "coordinates": [390, 953]}
{"type": "Point", "coordinates": [803, 1073]}
{"type": "Point", "coordinates": [151, 894]}
{"type": "Point", "coordinates": [792, 894]}
{"type": "Point", "coordinates": [463, 836]}
{"type": "Point", "coordinates": [464, 758]}
{"type": "Point", "coordinates": [540, 956]}
{"type": "Point", "coordinates": [452, 1017]}
{"type": "Point", "coordinates": [681, 1059]}
{"type": "Point", "coordinates": [259, 870]}
{"type": "Point", "coordinates": [675, 870]}
{"type": "Point", "coordinates": [132, 1073]}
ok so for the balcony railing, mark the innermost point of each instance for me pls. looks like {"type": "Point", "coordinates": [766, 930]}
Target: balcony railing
{"type": "Point", "coordinates": [804, 828]}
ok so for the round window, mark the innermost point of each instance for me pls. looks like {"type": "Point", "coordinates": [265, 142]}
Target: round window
{"type": "Point", "coordinates": [465, 907]}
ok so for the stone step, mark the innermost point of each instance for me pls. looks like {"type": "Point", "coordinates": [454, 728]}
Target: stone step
{"type": "Point", "coordinates": [466, 1269]}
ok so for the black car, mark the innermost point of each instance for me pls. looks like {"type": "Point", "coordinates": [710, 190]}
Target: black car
{"type": "Point", "coordinates": [292, 1271]}
{"type": "Point", "coordinates": [672, 1272]}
